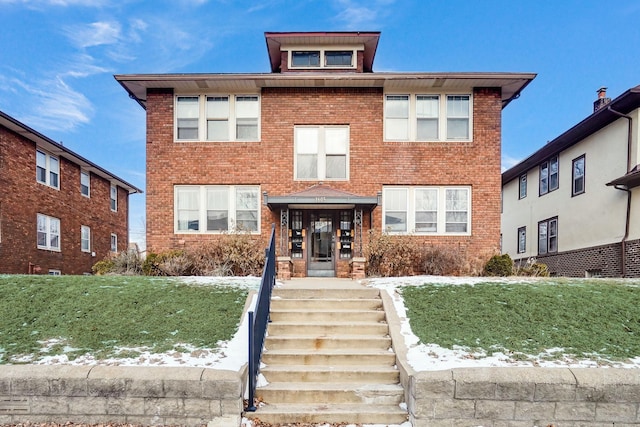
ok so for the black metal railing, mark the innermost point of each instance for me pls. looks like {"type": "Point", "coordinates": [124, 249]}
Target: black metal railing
{"type": "Point", "coordinates": [258, 322]}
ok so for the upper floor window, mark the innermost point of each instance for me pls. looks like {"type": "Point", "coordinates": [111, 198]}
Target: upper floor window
{"type": "Point", "coordinates": [48, 232]}
{"type": "Point", "coordinates": [548, 236]}
{"type": "Point", "coordinates": [85, 183]}
{"type": "Point", "coordinates": [217, 118]}
{"type": "Point", "coordinates": [114, 243]}
{"type": "Point", "coordinates": [549, 175]}
{"type": "Point", "coordinates": [522, 240]}
{"type": "Point", "coordinates": [522, 187]}
{"type": "Point", "coordinates": [427, 117]}
{"type": "Point", "coordinates": [85, 238]}
{"type": "Point", "coordinates": [433, 210]}
{"type": "Point", "coordinates": [113, 196]}
{"type": "Point", "coordinates": [321, 58]}
{"type": "Point", "coordinates": [47, 169]}
{"type": "Point", "coordinates": [216, 208]}
{"type": "Point", "coordinates": [577, 176]}
{"type": "Point", "coordinates": [321, 152]}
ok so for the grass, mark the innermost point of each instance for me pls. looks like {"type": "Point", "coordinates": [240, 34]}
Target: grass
{"type": "Point", "coordinates": [583, 318]}
{"type": "Point", "coordinates": [98, 315]}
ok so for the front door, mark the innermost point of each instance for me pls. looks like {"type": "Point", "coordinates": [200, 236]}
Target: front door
{"type": "Point", "coordinates": [321, 242]}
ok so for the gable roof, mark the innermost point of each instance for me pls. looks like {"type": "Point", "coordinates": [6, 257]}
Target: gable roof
{"type": "Point", "coordinates": [58, 149]}
{"type": "Point", "coordinates": [625, 103]}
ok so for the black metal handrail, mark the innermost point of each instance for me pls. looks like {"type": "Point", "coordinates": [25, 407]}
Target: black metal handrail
{"type": "Point", "coordinates": [258, 322]}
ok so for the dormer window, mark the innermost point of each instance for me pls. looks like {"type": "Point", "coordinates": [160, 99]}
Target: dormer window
{"type": "Point", "coordinates": [322, 58]}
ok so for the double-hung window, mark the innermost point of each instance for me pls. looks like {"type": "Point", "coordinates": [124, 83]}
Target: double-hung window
{"type": "Point", "coordinates": [427, 210]}
{"type": "Point", "coordinates": [217, 118]}
{"type": "Point", "coordinates": [321, 152]}
{"type": "Point", "coordinates": [113, 198]}
{"type": "Point", "coordinates": [85, 183]}
{"type": "Point", "coordinates": [114, 243]}
{"type": "Point", "coordinates": [427, 117]}
{"type": "Point", "coordinates": [48, 232]}
{"type": "Point", "coordinates": [522, 186]}
{"type": "Point", "coordinates": [85, 238]}
{"type": "Point", "coordinates": [549, 175]}
{"type": "Point", "coordinates": [522, 240]}
{"type": "Point", "coordinates": [216, 208]}
{"type": "Point", "coordinates": [47, 169]}
{"type": "Point", "coordinates": [577, 176]}
{"type": "Point", "coordinates": [548, 236]}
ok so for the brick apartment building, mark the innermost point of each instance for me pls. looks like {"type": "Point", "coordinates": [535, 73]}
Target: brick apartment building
{"type": "Point", "coordinates": [59, 212]}
{"type": "Point", "coordinates": [326, 149]}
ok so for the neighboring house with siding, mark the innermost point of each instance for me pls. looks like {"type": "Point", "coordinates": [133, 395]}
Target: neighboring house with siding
{"type": "Point", "coordinates": [59, 212]}
{"type": "Point", "coordinates": [575, 203]}
{"type": "Point", "coordinates": [326, 149]}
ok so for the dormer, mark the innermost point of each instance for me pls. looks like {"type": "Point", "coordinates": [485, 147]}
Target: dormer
{"type": "Point", "coordinates": [322, 51]}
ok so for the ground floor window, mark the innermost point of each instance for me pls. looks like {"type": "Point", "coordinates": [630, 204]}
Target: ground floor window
{"type": "Point", "coordinates": [548, 236]}
{"type": "Point", "coordinates": [522, 240]}
{"type": "Point", "coordinates": [48, 233]}
{"type": "Point", "coordinates": [216, 208]}
{"type": "Point", "coordinates": [114, 243]}
{"type": "Point", "coordinates": [427, 210]}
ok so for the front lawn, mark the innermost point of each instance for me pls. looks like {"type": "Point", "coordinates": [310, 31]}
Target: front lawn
{"type": "Point", "coordinates": [110, 316]}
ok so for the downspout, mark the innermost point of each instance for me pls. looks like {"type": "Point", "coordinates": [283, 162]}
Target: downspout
{"type": "Point", "coordinates": [623, 243]}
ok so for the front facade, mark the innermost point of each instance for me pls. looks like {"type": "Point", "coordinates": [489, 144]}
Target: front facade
{"type": "Point", "coordinates": [59, 213]}
{"type": "Point", "coordinates": [325, 149]}
{"type": "Point", "coordinates": [575, 203]}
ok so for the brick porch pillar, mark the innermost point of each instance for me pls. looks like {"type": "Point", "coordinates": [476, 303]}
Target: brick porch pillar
{"type": "Point", "coordinates": [284, 267]}
{"type": "Point", "coordinates": [357, 268]}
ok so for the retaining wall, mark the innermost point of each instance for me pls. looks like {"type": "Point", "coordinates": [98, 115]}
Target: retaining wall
{"type": "Point", "coordinates": [118, 394]}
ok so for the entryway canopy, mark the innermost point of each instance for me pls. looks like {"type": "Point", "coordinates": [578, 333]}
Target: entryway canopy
{"type": "Point", "coordinates": [321, 196]}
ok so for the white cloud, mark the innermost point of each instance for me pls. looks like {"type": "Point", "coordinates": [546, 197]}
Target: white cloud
{"type": "Point", "coordinates": [363, 15]}
{"type": "Point", "coordinates": [94, 34]}
{"type": "Point", "coordinates": [508, 162]}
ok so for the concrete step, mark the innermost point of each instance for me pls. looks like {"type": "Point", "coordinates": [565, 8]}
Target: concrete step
{"type": "Point", "coordinates": [319, 293]}
{"type": "Point", "coordinates": [331, 374]}
{"type": "Point", "coordinates": [326, 303]}
{"type": "Point", "coordinates": [305, 342]}
{"type": "Point", "coordinates": [336, 357]}
{"type": "Point", "coordinates": [279, 315]}
{"type": "Point", "coordinates": [327, 328]}
{"type": "Point", "coordinates": [323, 413]}
{"type": "Point", "coordinates": [334, 393]}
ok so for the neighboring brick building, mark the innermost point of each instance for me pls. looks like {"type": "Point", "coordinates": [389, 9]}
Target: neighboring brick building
{"type": "Point", "coordinates": [574, 204]}
{"type": "Point", "coordinates": [59, 212]}
{"type": "Point", "coordinates": [326, 149]}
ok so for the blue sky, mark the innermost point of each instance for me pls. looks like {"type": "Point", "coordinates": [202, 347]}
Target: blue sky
{"type": "Point", "coordinates": [58, 58]}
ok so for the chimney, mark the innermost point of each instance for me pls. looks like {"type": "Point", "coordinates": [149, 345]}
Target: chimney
{"type": "Point", "coordinates": [602, 99]}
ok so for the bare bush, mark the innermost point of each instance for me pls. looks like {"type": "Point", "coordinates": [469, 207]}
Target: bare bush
{"type": "Point", "coordinates": [389, 256]}
{"type": "Point", "coordinates": [443, 261]}
{"type": "Point", "coordinates": [233, 254]}
{"type": "Point", "coordinates": [127, 262]}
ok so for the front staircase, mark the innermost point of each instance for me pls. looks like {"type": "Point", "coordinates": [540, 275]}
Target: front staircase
{"type": "Point", "coordinates": [328, 357]}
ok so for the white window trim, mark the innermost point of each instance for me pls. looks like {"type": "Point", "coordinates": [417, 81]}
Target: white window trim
{"type": "Point", "coordinates": [322, 153]}
{"type": "Point", "coordinates": [88, 239]}
{"type": "Point", "coordinates": [113, 202]}
{"type": "Point", "coordinates": [202, 208]}
{"type": "Point", "coordinates": [323, 50]}
{"type": "Point", "coordinates": [54, 272]}
{"type": "Point", "coordinates": [48, 220]}
{"type": "Point", "coordinates": [202, 117]}
{"type": "Point", "coordinates": [442, 116]}
{"type": "Point", "coordinates": [47, 168]}
{"type": "Point", "coordinates": [114, 238]}
{"type": "Point", "coordinates": [441, 212]}
{"type": "Point", "coordinates": [88, 175]}
{"type": "Point", "coordinates": [522, 250]}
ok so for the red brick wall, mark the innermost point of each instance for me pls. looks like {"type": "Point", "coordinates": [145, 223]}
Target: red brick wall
{"type": "Point", "coordinates": [373, 163]}
{"type": "Point", "coordinates": [22, 198]}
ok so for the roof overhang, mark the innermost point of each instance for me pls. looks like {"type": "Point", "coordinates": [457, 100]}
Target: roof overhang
{"type": "Point", "coordinates": [369, 39]}
{"type": "Point", "coordinates": [629, 180]}
{"type": "Point", "coordinates": [625, 103]}
{"type": "Point", "coordinates": [321, 197]}
{"type": "Point", "coordinates": [58, 149]}
{"type": "Point", "coordinates": [511, 84]}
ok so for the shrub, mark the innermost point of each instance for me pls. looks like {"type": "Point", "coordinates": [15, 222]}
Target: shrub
{"type": "Point", "coordinates": [233, 254]}
{"type": "Point", "coordinates": [499, 265]}
{"type": "Point", "coordinates": [125, 262]}
{"type": "Point", "coordinates": [169, 263]}
{"type": "Point", "coordinates": [532, 268]}
{"type": "Point", "coordinates": [102, 267]}
{"type": "Point", "coordinates": [442, 261]}
{"type": "Point", "coordinates": [389, 256]}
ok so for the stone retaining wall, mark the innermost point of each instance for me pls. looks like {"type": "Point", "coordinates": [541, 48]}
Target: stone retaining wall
{"type": "Point", "coordinates": [117, 394]}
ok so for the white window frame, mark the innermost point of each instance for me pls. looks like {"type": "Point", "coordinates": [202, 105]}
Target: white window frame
{"type": "Point", "coordinates": [323, 152]}
{"type": "Point", "coordinates": [411, 210]}
{"type": "Point", "coordinates": [414, 115]}
{"type": "Point", "coordinates": [578, 175]}
{"type": "Point", "coordinates": [522, 186]}
{"type": "Point", "coordinates": [522, 240]}
{"type": "Point", "coordinates": [113, 198]}
{"type": "Point", "coordinates": [85, 182]}
{"type": "Point", "coordinates": [114, 243]}
{"type": "Point", "coordinates": [322, 60]}
{"type": "Point", "coordinates": [550, 240]}
{"type": "Point", "coordinates": [201, 208]}
{"type": "Point", "coordinates": [233, 118]}
{"type": "Point", "coordinates": [51, 168]}
{"type": "Point", "coordinates": [54, 272]}
{"type": "Point", "coordinates": [49, 228]}
{"type": "Point", "coordinates": [85, 238]}
{"type": "Point", "coordinates": [546, 175]}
